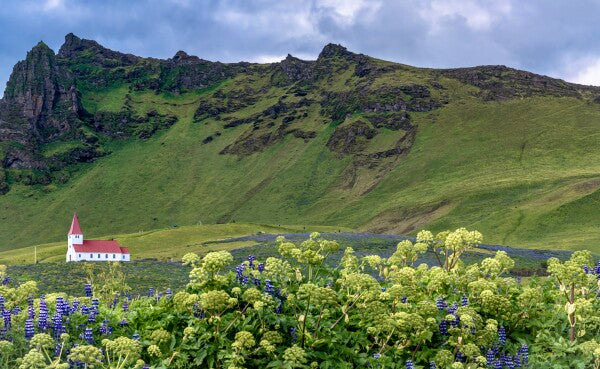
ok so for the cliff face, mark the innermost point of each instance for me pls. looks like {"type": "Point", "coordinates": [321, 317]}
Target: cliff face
{"type": "Point", "coordinates": [41, 103]}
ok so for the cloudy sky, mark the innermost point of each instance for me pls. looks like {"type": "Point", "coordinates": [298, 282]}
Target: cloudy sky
{"type": "Point", "coordinates": [559, 38]}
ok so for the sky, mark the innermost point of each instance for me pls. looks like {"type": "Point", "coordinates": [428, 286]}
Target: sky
{"type": "Point", "coordinates": [558, 38]}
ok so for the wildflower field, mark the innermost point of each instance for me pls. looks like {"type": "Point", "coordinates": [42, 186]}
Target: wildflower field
{"type": "Point", "coordinates": [297, 311]}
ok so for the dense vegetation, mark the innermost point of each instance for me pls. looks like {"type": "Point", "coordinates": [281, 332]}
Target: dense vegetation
{"type": "Point", "coordinates": [345, 140]}
{"type": "Point", "coordinates": [296, 311]}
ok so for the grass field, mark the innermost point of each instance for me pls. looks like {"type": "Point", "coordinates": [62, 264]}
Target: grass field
{"type": "Point", "coordinates": [524, 172]}
{"type": "Point", "coordinates": [168, 244]}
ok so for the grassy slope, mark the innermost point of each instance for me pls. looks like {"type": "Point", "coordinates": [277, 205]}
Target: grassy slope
{"type": "Point", "coordinates": [167, 243]}
{"type": "Point", "coordinates": [525, 172]}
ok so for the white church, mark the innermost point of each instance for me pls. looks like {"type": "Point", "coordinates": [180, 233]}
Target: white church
{"type": "Point", "coordinates": [79, 249]}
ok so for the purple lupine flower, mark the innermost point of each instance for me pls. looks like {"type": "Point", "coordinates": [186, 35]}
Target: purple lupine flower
{"type": "Point", "coordinates": [239, 272]}
{"type": "Point", "coordinates": [125, 306]}
{"type": "Point", "coordinates": [7, 318]}
{"type": "Point", "coordinates": [123, 322]}
{"type": "Point", "coordinates": [150, 292]}
{"type": "Point", "coordinates": [497, 364]}
{"type": "Point", "coordinates": [1, 303]}
{"type": "Point", "coordinates": [517, 360]}
{"type": "Point", "coordinates": [251, 259]}
{"type": "Point", "coordinates": [524, 351]}
{"type": "Point", "coordinates": [115, 302]}
{"type": "Point", "coordinates": [256, 281]}
{"type": "Point", "coordinates": [489, 356]}
{"type": "Point", "coordinates": [57, 324]}
{"type": "Point", "coordinates": [16, 310]}
{"type": "Point", "coordinates": [261, 267]}
{"type": "Point", "coordinates": [519, 280]}
{"type": "Point", "coordinates": [464, 300]}
{"type": "Point", "coordinates": [509, 362]}
{"type": "Point", "coordinates": [30, 312]}
{"type": "Point", "coordinates": [88, 290]}
{"type": "Point", "coordinates": [443, 327]}
{"type": "Point", "coordinates": [104, 328]}
{"type": "Point", "coordinates": [43, 318]}
{"type": "Point", "coordinates": [278, 308]}
{"type": "Point", "coordinates": [432, 365]}
{"type": "Point", "coordinates": [293, 334]}
{"type": "Point", "coordinates": [495, 349]}
{"type": "Point", "coordinates": [403, 299]}
{"type": "Point", "coordinates": [269, 288]}
{"type": "Point", "coordinates": [29, 330]}
{"type": "Point", "coordinates": [456, 321]}
{"type": "Point", "coordinates": [452, 309]}
{"type": "Point", "coordinates": [502, 336]}
{"type": "Point", "coordinates": [57, 350]}
{"type": "Point", "coordinates": [75, 306]}
{"type": "Point", "coordinates": [441, 304]}
{"type": "Point", "coordinates": [92, 316]}
{"type": "Point", "coordinates": [409, 364]}
{"type": "Point", "coordinates": [586, 269]}
{"type": "Point", "coordinates": [84, 309]}
{"type": "Point", "coordinates": [459, 357]}
{"type": "Point", "coordinates": [376, 356]}
{"type": "Point", "coordinates": [88, 336]}
{"type": "Point", "coordinates": [95, 302]}
{"type": "Point", "coordinates": [59, 304]}
{"type": "Point", "coordinates": [136, 336]}
{"type": "Point", "coordinates": [198, 313]}
{"type": "Point", "coordinates": [169, 292]}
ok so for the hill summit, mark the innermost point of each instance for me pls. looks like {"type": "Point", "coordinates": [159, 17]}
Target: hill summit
{"type": "Point", "coordinates": [139, 143]}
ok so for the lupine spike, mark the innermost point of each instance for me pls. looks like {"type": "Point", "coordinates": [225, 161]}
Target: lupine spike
{"type": "Point", "coordinates": [88, 336]}
{"type": "Point", "coordinates": [29, 329]}
{"type": "Point", "coordinates": [88, 290]}
{"type": "Point", "coordinates": [502, 335]}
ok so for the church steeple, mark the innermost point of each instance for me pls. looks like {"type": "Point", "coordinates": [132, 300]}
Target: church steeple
{"type": "Point", "coordinates": [75, 234]}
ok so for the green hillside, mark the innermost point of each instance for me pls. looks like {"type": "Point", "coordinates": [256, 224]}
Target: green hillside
{"type": "Point", "coordinates": [392, 149]}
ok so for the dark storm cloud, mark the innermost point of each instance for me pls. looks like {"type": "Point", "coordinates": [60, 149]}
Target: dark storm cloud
{"type": "Point", "coordinates": [558, 38]}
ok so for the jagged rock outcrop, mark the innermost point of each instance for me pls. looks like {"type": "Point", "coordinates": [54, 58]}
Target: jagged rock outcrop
{"type": "Point", "coordinates": [348, 139]}
{"type": "Point", "coordinates": [92, 53]}
{"type": "Point", "coordinates": [40, 102]}
{"type": "Point", "coordinates": [184, 73]}
{"type": "Point", "coordinates": [498, 82]}
{"type": "Point", "coordinates": [292, 70]}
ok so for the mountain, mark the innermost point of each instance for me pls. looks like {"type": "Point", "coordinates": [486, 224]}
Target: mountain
{"type": "Point", "coordinates": [134, 143]}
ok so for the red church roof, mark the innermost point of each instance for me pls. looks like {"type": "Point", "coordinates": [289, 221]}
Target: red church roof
{"type": "Point", "coordinates": [75, 228]}
{"type": "Point", "coordinates": [101, 246]}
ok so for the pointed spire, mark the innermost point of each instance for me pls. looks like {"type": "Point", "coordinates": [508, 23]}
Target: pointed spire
{"type": "Point", "coordinates": [75, 228]}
